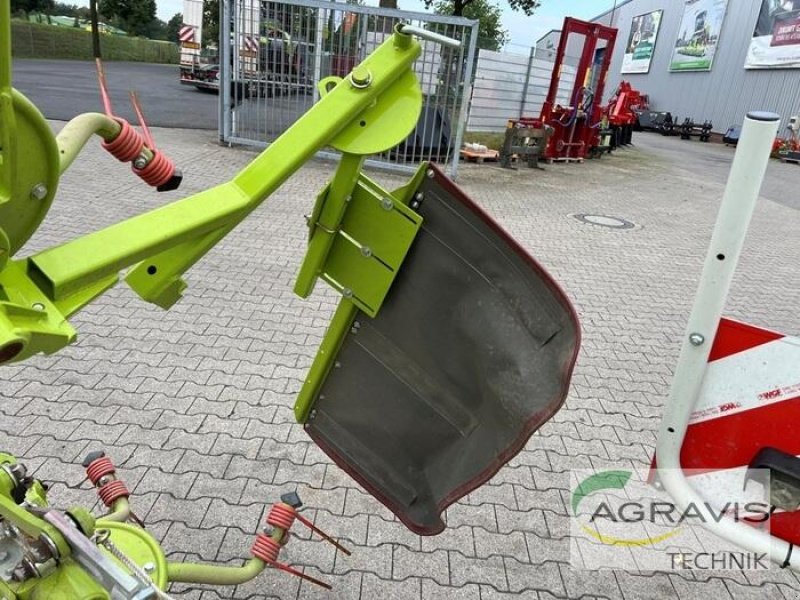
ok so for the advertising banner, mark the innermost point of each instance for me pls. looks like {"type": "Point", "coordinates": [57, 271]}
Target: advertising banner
{"type": "Point", "coordinates": [698, 35]}
{"type": "Point", "coordinates": [776, 38]}
{"type": "Point", "coordinates": [641, 42]}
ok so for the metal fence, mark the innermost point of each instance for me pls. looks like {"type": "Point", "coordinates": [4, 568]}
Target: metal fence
{"type": "Point", "coordinates": [509, 85]}
{"type": "Point", "coordinates": [280, 50]}
{"type": "Point", "coordinates": [34, 40]}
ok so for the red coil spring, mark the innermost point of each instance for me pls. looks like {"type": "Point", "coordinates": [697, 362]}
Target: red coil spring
{"type": "Point", "coordinates": [99, 468]}
{"type": "Point", "coordinates": [281, 515]}
{"type": "Point", "coordinates": [265, 548]}
{"type": "Point", "coordinates": [112, 491]}
{"type": "Point", "coordinates": [158, 171]}
{"type": "Point", "coordinates": [127, 145]}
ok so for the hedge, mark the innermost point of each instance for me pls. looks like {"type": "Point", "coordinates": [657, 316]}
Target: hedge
{"type": "Point", "coordinates": [34, 40]}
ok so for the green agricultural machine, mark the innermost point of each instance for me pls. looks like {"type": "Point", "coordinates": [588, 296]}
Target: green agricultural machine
{"type": "Point", "coordinates": [449, 348]}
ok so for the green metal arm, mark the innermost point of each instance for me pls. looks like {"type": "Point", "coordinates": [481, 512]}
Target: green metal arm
{"type": "Point", "coordinates": [120, 512]}
{"type": "Point", "coordinates": [164, 243]}
{"type": "Point", "coordinates": [214, 574]}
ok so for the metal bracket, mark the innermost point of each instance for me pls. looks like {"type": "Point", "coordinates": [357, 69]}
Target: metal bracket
{"type": "Point", "coordinates": [102, 567]}
{"type": "Point", "coordinates": [358, 240]}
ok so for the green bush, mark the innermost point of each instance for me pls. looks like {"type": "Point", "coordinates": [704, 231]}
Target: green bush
{"type": "Point", "coordinates": [34, 40]}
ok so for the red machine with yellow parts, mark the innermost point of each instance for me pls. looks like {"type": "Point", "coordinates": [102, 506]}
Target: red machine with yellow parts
{"type": "Point", "coordinates": [577, 126]}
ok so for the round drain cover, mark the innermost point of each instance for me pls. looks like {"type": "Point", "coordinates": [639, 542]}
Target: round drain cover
{"type": "Point", "coordinates": [605, 221]}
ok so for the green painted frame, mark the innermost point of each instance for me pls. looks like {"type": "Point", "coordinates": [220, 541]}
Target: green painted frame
{"type": "Point", "coordinates": [369, 111]}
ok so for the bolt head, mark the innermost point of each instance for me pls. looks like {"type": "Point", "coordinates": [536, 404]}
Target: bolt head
{"type": "Point", "coordinates": [140, 163]}
{"type": "Point", "coordinates": [39, 191]}
{"type": "Point", "coordinates": [366, 252]}
{"type": "Point", "coordinates": [387, 204]}
{"type": "Point", "coordinates": [148, 567]}
{"type": "Point", "coordinates": [361, 77]}
{"type": "Point", "coordinates": [38, 306]}
{"type": "Point", "coordinates": [347, 293]}
{"type": "Point", "coordinates": [696, 339]}
{"type": "Point", "coordinates": [430, 173]}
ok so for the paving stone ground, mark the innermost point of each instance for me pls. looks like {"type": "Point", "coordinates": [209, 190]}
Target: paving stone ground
{"type": "Point", "coordinates": [194, 404]}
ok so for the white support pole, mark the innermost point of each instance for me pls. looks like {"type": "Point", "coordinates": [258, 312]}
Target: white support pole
{"type": "Point", "coordinates": [738, 202]}
{"type": "Point", "coordinates": [322, 16]}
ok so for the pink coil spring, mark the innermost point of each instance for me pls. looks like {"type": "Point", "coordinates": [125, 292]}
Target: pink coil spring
{"type": "Point", "coordinates": [112, 491]}
{"type": "Point", "coordinates": [127, 145]}
{"type": "Point", "coordinates": [265, 548]}
{"type": "Point", "coordinates": [281, 515]}
{"type": "Point", "coordinates": [158, 171]}
{"type": "Point", "coordinates": [100, 468]}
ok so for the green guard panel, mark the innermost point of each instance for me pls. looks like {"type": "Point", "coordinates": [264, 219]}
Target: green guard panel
{"type": "Point", "coordinates": [370, 246]}
{"type": "Point", "coordinates": [471, 352]}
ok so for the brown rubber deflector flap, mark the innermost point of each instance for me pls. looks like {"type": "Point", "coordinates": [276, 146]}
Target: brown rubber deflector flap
{"type": "Point", "coordinates": [471, 352]}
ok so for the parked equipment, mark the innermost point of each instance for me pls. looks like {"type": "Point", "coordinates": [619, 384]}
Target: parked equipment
{"type": "Point", "coordinates": [193, 63]}
{"type": "Point", "coordinates": [669, 125]}
{"type": "Point", "coordinates": [622, 114]}
{"type": "Point", "coordinates": [431, 135]}
{"type": "Point", "coordinates": [575, 131]}
{"type": "Point", "coordinates": [731, 137]}
{"type": "Point", "coordinates": [525, 141]}
{"type": "Point", "coordinates": [788, 148]}
{"type": "Point", "coordinates": [689, 128]}
{"type": "Point", "coordinates": [576, 127]}
{"type": "Point", "coordinates": [649, 120]}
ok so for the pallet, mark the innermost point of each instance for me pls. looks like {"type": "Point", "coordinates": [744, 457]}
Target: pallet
{"type": "Point", "coordinates": [480, 157]}
{"type": "Point", "coordinates": [564, 159]}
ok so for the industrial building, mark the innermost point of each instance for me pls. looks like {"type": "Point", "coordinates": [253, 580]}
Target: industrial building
{"type": "Point", "coordinates": [706, 59]}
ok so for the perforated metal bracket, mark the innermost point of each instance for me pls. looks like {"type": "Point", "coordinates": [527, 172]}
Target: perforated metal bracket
{"type": "Point", "coordinates": [358, 243]}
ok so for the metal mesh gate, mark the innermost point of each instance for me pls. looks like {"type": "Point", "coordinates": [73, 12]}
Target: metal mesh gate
{"type": "Point", "coordinates": [278, 51]}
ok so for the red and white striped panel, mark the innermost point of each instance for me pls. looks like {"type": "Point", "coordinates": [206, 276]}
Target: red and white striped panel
{"type": "Point", "coordinates": [750, 399]}
{"type": "Point", "coordinates": [250, 43]}
{"type": "Point", "coordinates": [186, 33]}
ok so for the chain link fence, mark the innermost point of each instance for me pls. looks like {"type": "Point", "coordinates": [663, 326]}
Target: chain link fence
{"type": "Point", "coordinates": [280, 50]}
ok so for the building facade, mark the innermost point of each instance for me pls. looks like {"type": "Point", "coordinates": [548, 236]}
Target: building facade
{"type": "Point", "coordinates": [696, 63]}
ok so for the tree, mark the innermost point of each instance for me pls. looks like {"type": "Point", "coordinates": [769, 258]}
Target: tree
{"type": "Point", "coordinates": [156, 30]}
{"type": "Point", "coordinates": [65, 10]}
{"type": "Point", "coordinates": [211, 21]}
{"type": "Point", "coordinates": [491, 35]}
{"type": "Point", "coordinates": [31, 6]}
{"type": "Point", "coordinates": [134, 16]}
{"type": "Point", "coordinates": [526, 6]}
{"type": "Point", "coordinates": [174, 27]}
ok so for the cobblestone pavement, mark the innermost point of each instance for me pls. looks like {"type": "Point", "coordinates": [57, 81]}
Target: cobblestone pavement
{"type": "Point", "coordinates": [194, 404]}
